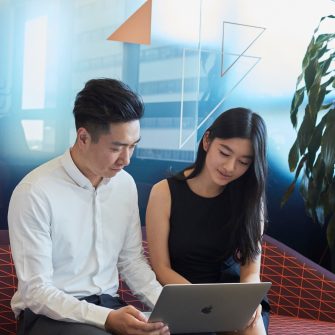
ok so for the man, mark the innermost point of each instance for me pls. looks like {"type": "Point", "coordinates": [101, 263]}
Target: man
{"type": "Point", "coordinates": [74, 226]}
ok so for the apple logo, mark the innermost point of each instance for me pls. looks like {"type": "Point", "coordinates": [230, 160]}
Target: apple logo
{"type": "Point", "coordinates": [207, 309]}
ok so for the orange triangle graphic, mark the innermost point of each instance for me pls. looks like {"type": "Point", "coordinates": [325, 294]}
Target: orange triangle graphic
{"type": "Point", "coordinates": [137, 28]}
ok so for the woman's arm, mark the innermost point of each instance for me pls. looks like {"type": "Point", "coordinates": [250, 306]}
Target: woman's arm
{"type": "Point", "coordinates": [250, 272]}
{"type": "Point", "coordinates": [158, 228]}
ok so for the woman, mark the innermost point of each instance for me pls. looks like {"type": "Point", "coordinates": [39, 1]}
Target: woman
{"type": "Point", "coordinates": [208, 219]}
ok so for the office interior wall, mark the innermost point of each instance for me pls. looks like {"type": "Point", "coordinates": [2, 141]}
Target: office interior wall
{"type": "Point", "coordinates": [205, 56]}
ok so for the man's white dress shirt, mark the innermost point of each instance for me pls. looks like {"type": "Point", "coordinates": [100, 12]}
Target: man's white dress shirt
{"type": "Point", "coordinates": [70, 240]}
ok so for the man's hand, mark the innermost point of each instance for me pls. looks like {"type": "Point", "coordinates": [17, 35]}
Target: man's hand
{"type": "Point", "coordinates": [129, 320]}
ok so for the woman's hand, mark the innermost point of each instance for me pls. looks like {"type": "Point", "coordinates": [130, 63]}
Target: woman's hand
{"type": "Point", "coordinates": [253, 321]}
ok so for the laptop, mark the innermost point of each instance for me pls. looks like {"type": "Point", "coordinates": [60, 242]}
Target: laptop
{"type": "Point", "coordinates": [199, 308]}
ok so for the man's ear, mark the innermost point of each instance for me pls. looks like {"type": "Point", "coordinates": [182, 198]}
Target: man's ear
{"type": "Point", "coordinates": [206, 141]}
{"type": "Point", "coordinates": [83, 136]}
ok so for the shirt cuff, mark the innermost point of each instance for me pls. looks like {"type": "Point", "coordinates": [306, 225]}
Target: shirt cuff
{"type": "Point", "coordinates": [97, 315]}
{"type": "Point", "coordinates": [152, 296]}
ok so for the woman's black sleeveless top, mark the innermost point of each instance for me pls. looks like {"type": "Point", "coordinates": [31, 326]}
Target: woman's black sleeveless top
{"type": "Point", "coordinates": [198, 236]}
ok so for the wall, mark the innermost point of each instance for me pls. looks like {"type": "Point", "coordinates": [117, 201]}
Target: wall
{"type": "Point", "coordinates": [205, 56]}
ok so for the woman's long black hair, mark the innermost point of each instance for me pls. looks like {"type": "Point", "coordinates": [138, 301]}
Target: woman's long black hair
{"type": "Point", "coordinates": [247, 193]}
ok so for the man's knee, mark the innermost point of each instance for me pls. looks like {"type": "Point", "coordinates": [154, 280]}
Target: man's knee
{"type": "Point", "coordinates": [81, 329]}
{"type": "Point", "coordinates": [32, 324]}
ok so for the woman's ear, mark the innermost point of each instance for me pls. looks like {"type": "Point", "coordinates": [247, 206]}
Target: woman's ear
{"type": "Point", "coordinates": [206, 141]}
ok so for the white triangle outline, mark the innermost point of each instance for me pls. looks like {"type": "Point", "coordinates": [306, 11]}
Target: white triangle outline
{"type": "Point", "coordinates": [244, 51]}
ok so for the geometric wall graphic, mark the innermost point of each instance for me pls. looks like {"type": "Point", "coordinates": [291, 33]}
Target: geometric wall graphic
{"type": "Point", "coordinates": [242, 65]}
{"type": "Point", "coordinates": [189, 111]}
{"type": "Point", "coordinates": [137, 28]}
{"type": "Point", "coordinates": [238, 71]}
{"type": "Point", "coordinates": [230, 66]}
{"type": "Point", "coordinates": [237, 47]}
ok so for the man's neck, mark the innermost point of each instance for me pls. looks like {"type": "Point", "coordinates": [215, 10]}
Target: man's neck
{"type": "Point", "coordinates": [76, 157]}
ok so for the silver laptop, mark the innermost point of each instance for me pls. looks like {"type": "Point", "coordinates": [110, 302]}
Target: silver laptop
{"type": "Point", "coordinates": [198, 308]}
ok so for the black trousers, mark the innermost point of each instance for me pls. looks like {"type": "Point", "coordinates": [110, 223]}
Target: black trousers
{"type": "Point", "coordinates": [30, 323]}
{"type": "Point", "coordinates": [35, 324]}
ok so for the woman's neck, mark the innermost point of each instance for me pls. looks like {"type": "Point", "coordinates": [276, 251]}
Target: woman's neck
{"type": "Point", "coordinates": [203, 185]}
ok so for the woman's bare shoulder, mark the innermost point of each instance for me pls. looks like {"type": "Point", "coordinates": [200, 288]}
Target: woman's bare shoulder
{"type": "Point", "coordinates": [159, 200]}
{"type": "Point", "coordinates": [160, 189]}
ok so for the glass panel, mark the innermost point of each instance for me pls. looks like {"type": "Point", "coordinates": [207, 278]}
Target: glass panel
{"type": "Point", "coordinates": [39, 135]}
{"type": "Point", "coordinates": [33, 132]}
{"type": "Point", "coordinates": [34, 63]}
{"type": "Point", "coordinates": [169, 83]}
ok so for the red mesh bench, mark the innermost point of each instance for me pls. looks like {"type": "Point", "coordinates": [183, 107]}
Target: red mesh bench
{"type": "Point", "coordinates": [302, 295]}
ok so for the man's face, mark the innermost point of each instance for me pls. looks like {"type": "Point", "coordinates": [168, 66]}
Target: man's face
{"type": "Point", "coordinates": [112, 152]}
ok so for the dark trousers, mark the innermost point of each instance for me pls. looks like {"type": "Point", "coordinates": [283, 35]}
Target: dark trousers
{"type": "Point", "coordinates": [35, 324]}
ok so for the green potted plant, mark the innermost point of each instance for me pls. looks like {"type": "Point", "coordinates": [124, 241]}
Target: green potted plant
{"type": "Point", "coordinates": [313, 153]}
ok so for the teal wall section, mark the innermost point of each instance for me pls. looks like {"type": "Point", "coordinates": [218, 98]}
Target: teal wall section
{"type": "Point", "coordinates": [205, 56]}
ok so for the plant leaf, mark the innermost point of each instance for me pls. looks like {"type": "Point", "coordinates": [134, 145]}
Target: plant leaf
{"type": "Point", "coordinates": [323, 18]}
{"type": "Point", "coordinates": [315, 185]}
{"type": "Point", "coordinates": [318, 91]}
{"type": "Point", "coordinates": [308, 55]}
{"type": "Point", "coordinates": [303, 188]}
{"type": "Point", "coordinates": [310, 73]}
{"type": "Point", "coordinates": [293, 156]}
{"type": "Point", "coordinates": [292, 185]}
{"type": "Point", "coordinates": [331, 231]}
{"type": "Point", "coordinates": [287, 194]}
{"type": "Point", "coordinates": [316, 83]}
{"type": "Point", "coordinates": [315, 143]}
{"type": "Point", "coordinates": [313, 94]}
{"type": "Point", "coordinates": [328, 146]}
{"type": "Point", "coordinates": [318, 174]}
{"type": "Point", "coordinates": [296, 102]}
{"type": "Point", "coordinates": [324, 38]}
{"type": "Point", "coordinates": [320, 214]}
{"type": "Point", "coordinates": [327, 106]}
{"type": "Point", "coordinates": [306, 130]}
{"type": "Point", "coordinates": [328, 199]}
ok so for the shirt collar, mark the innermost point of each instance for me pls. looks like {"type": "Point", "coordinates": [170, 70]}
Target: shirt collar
{"type": "Point", "coordinates": [73, 171]}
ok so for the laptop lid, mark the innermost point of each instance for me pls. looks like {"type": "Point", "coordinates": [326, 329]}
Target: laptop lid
{"type": "Point", "coordinates": [197, 308]}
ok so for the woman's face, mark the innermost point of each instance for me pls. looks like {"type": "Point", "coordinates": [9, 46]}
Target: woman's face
{"type": "Point", "coordinates": [227, 159]}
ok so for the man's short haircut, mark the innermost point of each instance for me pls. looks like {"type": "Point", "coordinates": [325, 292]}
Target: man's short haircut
{"type": "Point", "coordinates": [105, 101]}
